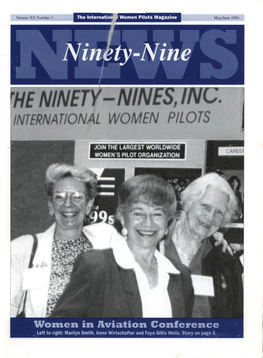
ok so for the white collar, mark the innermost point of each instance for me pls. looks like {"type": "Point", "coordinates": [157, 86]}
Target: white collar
{"type": "Point", "coordinates": [125, 259]}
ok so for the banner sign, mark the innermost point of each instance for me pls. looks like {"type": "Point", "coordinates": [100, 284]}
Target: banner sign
{"type": "Point", "coordinates": [227, 151]}
{"type": "Point", "coordinates": [137, 151]}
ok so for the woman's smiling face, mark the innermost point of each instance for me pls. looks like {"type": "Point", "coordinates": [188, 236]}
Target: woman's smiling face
{"type": "Point", "coordinates": [146, 224]}
{"type": "Point", "coordinates": [207, 215]}
{"type": "Point", "coordinates": [70, 203]}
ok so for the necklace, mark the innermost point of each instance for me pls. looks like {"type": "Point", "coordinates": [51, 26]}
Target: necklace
{"type": "Point", "coordinates": [189, 257]}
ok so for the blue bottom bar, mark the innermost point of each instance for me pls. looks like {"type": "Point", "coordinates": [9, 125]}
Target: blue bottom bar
{"type": "Point", "coordinates": [126, 328]}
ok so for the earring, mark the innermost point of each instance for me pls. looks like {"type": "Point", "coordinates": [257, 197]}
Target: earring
{"type": "Point", "coordinates": [51, 213]}
{"type": "Point", "coordinates": [124, 231]}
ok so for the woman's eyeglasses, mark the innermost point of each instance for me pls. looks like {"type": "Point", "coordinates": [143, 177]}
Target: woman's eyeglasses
{"type": "Point", "coordinates": [76, 197]}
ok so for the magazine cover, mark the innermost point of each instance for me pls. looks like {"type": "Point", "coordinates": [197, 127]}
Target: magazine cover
{"type": "Point", "coordinates": [127, 178]}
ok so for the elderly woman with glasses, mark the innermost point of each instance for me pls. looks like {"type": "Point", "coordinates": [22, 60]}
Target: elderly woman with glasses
{"type": "Point", "coordinates": [132, 279]}
{"type": "Point", "coordinates": [71, 191]}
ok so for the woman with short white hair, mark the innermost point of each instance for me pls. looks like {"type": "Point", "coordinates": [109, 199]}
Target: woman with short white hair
{"type": "Point", "coordinates": [208, 204]}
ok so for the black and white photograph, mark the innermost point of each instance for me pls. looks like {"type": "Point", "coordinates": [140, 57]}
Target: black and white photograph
{"type": "Point", "coordinates": [155, 210]}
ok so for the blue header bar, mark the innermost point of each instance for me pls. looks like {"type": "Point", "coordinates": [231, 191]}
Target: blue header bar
{"type": "Point", "coordinates": [127, 17]}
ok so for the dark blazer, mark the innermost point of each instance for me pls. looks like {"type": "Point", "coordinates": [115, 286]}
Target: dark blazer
{"type": "Point", "coordinates": [226, 271]}
{"type": "Point", "coordinates": [99, 287]}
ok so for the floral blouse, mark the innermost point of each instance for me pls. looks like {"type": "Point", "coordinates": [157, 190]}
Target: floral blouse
{"type": "Point", "coordinates": [63, 256]}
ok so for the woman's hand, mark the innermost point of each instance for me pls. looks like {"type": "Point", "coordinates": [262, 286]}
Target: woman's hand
{"type": "Point", "coordinates": [220, 240]}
